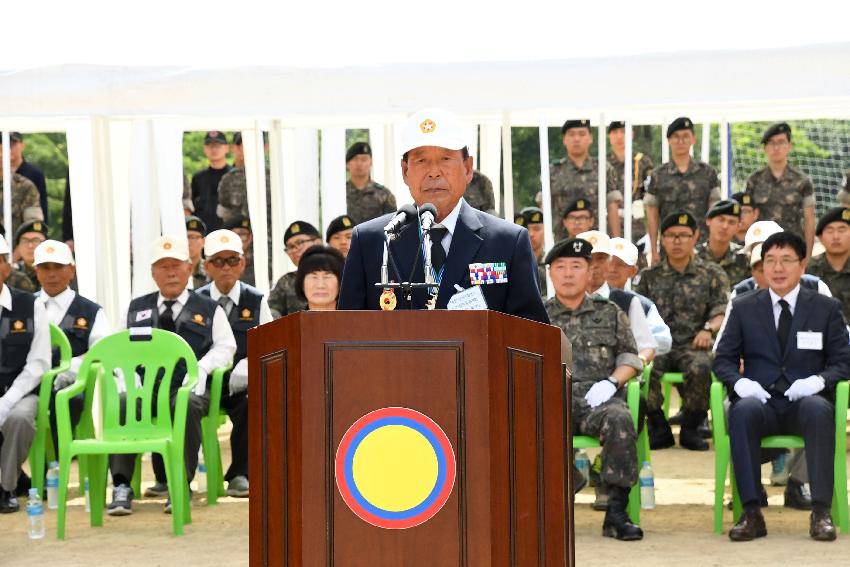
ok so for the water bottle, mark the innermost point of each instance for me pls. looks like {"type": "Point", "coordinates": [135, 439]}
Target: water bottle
{"type": "Point", "coordinates": [583, 463]}
{"type": "Point", "coordinates": [88, 502]}
{"type": "Point", "coordinates": [35, 515]}
{"type": "Point", "coordinates": [647, 487]}
{"type": "Point", "coordinates": [202, 476]}
{"type": "Point", "coordinates": [52, 485]}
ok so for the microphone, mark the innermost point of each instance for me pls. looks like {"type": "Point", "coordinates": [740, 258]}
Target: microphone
{"type": "Point", "coordinates": [405, 215]}
{"type": "Point", "coordinates": [428, 213]}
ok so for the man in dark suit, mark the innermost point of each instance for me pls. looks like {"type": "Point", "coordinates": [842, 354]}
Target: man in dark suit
{"type": "Point", "coordinates": [436, 166]}
{"type": "Point", "coordinates": [794, 346]}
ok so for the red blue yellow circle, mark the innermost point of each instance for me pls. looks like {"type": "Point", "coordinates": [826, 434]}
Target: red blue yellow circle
{"type": "Point", "coordinates": [395, 468]}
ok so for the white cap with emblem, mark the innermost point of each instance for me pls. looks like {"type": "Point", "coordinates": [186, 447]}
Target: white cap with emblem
{"type": "Point", "coordinates": [53, 251]}
{"type": "Point", "coordinates": [220, 241]}
{"type": "Point", "coordinates": [169, 247]}
{"type": "Point", "coordinates": [433, 127]}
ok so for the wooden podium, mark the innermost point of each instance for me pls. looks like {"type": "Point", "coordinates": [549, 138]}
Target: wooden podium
{"type": "Point", "coordinates": [491, 382]}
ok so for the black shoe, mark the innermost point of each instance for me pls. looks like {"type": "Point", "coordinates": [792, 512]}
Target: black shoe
{"type": "Point", "coordinates": [749, 527]}
{"type": "Point", "coordinates": [24, 484]}
{"type": "Point", "coordinates": [8, 502]}
{"type": "Point", "coordinates": [762, 499]}
{"type": "Point", "coordinates": [677, 419]}
{"type": "Point", "coordinates": [601, 502]}
{"type": "Point", "coordinates": [660, 434]}
{"type": "Point", "coordinates": [704, 430]}
{"type": "Point", "coordinates": [579, 482]}
{"type": "Point", "coordinates": [820, 527]}
{"type": "Point", "coordinates": [689, 437]}
{"type": "Point", "coordinates": [617, 523]}
{"type": "Point", "coordinates": [797, 495]}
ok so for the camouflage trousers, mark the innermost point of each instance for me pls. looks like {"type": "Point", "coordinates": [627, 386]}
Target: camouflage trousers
{"type": "Point", "coordinates": [612, 424]}
{"type": "Point", "coordinates": [695, 365]}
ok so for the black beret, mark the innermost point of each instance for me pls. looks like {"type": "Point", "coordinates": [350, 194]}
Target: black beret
{"type": "Point", "coordinates": [340, 223]}
{"type": "Point", "coordinates": [616, 125]}
{"type": "Point", "coordinates": [238, 222]}
{"type": "Point", "coordinates": [300, 227]}
{"type": "Point", "coordinates": [837, 214]}
{"type": "Point", "coordinates": [570, 248]}
{"type": "Point", "coordinates": [519, 219]}
{"type": "Point", "coordinates": [578, 205]}
{"type": "Point", "coordinates": [532, 215]}
{"type": "Point", "coordinates": [575, 124]}
{"type": "Point", "coordinates": [30, 226]}
{"type": "Point", "coordinates": [778, 128]}
{"type": "Point", "coordinates": [196, 224]}
{"type": "Point", "coordinates": [13, 137]}
{"type": "Point", "coordinates": [725, 207]}
{"type": "Point", "coordinates": [237, 138]}
{"type": "Point", "coordinates": [744, 198]}
{"type": "Point", "coordinates": [679, 218]}
{"type": "Point", "coordinates": [682, 123]}
{"type": "Point", "coordinates": [357, 149]}
{"type": "Point", "coordinates": [215, 136]}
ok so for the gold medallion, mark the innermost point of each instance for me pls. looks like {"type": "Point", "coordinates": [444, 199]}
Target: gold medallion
{"type": "Point", "coordinates": [388, 300]}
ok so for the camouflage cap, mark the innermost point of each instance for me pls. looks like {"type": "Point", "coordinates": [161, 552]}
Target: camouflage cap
{"type": "Point", "coordinates": [578, 205]}
{"type": "Point", "coordinates": [616, 125]}
{"type": "Point", "coordinates": [836, 214]}
{"type": "Point", "coordinates": [215, 137]}
{"type": "Point", "coordinates": [238, 222]}
{"type": "Point", "coordinates": [570, 248]}
{"type": "Point", "coordinates": [13, 137]}
{"type": "Point", "coordinates": [339, 224]}
{"type": "Point", "coordinates": [679, 218]}
{"type": "Point", "coordinates": [744, 198]}
{"type": "Point", "coordinates": [682, 123]}
{"type": "Point", "coordinates": [197, 225]}
{"type": "Point", "coordinates": [30, 226]}
{"type": "Point", "coordinates": [774, 129]}
{"type": "Point", "coordinates": [356, 149]}
{"type": "Point", "coordinates": [570, 124]}
{"type": "Point", "coordinates": [725, 207]}
{"type": "Point", "coordinates": [300, 227]}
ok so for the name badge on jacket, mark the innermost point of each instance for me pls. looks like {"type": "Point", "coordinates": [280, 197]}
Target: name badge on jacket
{"type": "Point", "coordinates": [488, 273]}
{"type": "Point", "coordinates": [809, 340]}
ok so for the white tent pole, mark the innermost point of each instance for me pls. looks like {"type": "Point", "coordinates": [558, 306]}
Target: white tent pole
{"type": "Point", "coordinates": [724, 159]}
{"type": "Point", "coordinates": [120, 141]}
{"type": "Point", "coordinates": [602, 161]}
{"type": "Point", "coordinates": [144, 206]}
{"type": "Point", "coordinates": [278, 220]}
{"type": "Point", "coordinates": [290, 190]}
{"type": "Point", "coordinates": [333, 174]}
{"type": "Point", "coordinates": [167, 161]}
{"type": "Point", "coordinates": [665, 144]}
{"type": "Point", "coordinates": [307, 175]}
{"type": "Point", "coordinates": [491, 157]}
{"type": "Point", "coordinates": [7, 190]}
{"type": "Point", "coordinates": [704, 154]}
{"type": "Point", "coordinates": [548, 235]}
{"type": "Point", "coordinates": [255, 181]}
{"type": "Point", "coordinates": [379, 155]}
{"type": "Point", "coordinates": [508, 167]}
{"type": "Point", "coordinates": [628, 161]}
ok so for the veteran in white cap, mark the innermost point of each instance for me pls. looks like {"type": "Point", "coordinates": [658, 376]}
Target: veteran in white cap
{"type": "Point", "coordinates": [245, 307]}
{"type": "Point", "coordinates": [203, 324]}
{"type": "Point", "coordinates": [24, 357]}
{"type": "Point", "coordinates": [436, 167]}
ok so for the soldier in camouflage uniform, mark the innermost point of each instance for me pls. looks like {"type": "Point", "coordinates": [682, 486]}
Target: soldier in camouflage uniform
{"type": "Point", "coordinates": [479, 193]}
{"type": "Point", "coordinates": [27, 238]}
{"type": "Point", "coordinates": [832, 266]}
{"type": "Point", "coordinates": [283, 299]}
{"type": "Point", "coordinates": [722, 220]}
{"type": "Point", "coordinates": [604, 360]}
{"type": "Point", "coordinates": [196, 231]}
{"type": "Point", "coordinates": [25, 201]}
{"type": "Point", "coordinates": [532, 219]}
{"type": "Point", "coordinates": [577, 176]}
{"type": "Point", "coordinates": [783, 194]}
{"type": "Point", "coordinates": [365, 199]}
{"type": "Point", "coordinates": [242, 227]}
{"type": "Point", "coordinates": [843, 196]}
{"type": "Point", "coordinates": [691, 296]}
{"type": "Point", "coordinates": [642, 167]}
{"type": "Point", "coordinates": [679, 184]}
{"type": "Point", "coordinates": [749, 215]}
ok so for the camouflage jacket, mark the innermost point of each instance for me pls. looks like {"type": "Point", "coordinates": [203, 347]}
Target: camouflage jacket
{"type": "Point", "coordinates": [843, 197]}
{"type": "Point", "coordinates": [199, 275]}
{"type": "Point", "coordinates": [248, 273]}
{"type": "Point", "coordinates": [838, 282]}
{"type": "Point", "coordinates": [368, 203]}
{"type": "Point", "coordinates": [694, 191]}
{"type": "Point", "coordinates": [686, 300]}
{"type": "Point", "coordinates": [26, 205]}
{"type": "Point", "coordinates": [736, 266]}
{"type": "Point", "coordinates": [283, 300]}
{"type": "Point", "coordinates": [568, 182]}
{"type": "Point", "coordinates": [479, 193]}
{"type": "Point", "coordinates": [782, 200]}
{"type": "Point", "coordinates": [642, 167]}
{"type": "Point", "coordinates": [601, 340]}
{"type": "Point", "coordinates": [232, 195]}
{"type": "Point", "coordinates": [19, 280]}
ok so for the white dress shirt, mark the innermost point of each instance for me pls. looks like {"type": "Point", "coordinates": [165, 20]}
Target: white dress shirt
{"type": "Point", "coordinates": [224, 344]}
{"type": "Point", "coordinates": [450, 222]}
{"type": "Point", "coordinates": [38, 358]}
{"type": "Point", "coordinates": [637, 321]}
{"type": "Point", "coordinates": [265, 317]}
{"type": "Point", "coordinates": [790, 297]}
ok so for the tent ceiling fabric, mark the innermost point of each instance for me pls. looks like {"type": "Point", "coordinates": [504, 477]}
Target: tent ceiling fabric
{"type": "Point", "coordinates": [798, 82]}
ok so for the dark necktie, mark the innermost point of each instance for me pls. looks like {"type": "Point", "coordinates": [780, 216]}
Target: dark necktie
{"type": "Point", "coordinates": [226, 304]}
{"type": "Point", "coordinates": [166, 319]}
{"type": "Point", "coordinates": [784, 327]}
{"type": "Point", "coordinates": [438, 253]}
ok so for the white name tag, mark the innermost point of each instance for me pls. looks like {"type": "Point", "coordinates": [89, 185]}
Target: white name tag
{"type": "Point", "coordinates": [809, 340]}
{"type": "Point", "coordinates": [471, 299]}
{"type": "Point", "coordinates": [142, 315]}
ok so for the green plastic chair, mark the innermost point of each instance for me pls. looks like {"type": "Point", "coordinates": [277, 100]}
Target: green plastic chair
{"type": "Point", "coordinates": [209, 438]}
{"type": "Point", "coordinates": [667, 381]}
{"type": "Point", "coordinates": [589, 442]}
{"type": "Point", "coordinates": [722, 456]}
{"type": "Point", "coordinates": [140, 433]}
{"type": "Point", "coordinates": [41, 450]}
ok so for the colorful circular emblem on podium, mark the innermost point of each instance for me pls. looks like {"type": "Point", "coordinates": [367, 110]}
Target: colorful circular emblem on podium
{"type": "Point", "coordinates": [395, 468]}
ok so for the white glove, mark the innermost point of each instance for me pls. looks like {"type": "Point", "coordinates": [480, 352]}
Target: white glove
{"type": "Point", "coordinates": [238, 380]}
{"type": "Point", "coordinates": [600, 393]}
{"type": "Point", "coordinates": [805, 387]}
{"type": "Point", "coordinates": [5, 409]}
{"type": "Point", "coordinates": [200, 385]}
{"type": "Point", "coordinates": [64, 379]}
{"type": "Point", "coordinates": [746, 388]}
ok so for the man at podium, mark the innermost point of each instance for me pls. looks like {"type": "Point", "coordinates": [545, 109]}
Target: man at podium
{"type": "Point", "coordinates": [469, 248]}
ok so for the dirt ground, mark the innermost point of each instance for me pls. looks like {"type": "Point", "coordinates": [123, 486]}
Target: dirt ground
{"type": "Point", "coordinates": [677, 532]}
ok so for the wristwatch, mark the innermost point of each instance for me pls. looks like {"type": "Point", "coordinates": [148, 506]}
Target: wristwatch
{"type": "Point", "coordinates": [707, 327]}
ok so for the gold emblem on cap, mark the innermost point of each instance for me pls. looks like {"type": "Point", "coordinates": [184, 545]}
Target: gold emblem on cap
{"type": "Point", "coordinates": [50, 250]}
{"type": "Point", "coordinates": [687, 123]}
{"type": "Point", "coordinates": [225, 239]}
{"type": "Point", "coordinates": [747, 199]}
{"type": "Point", "coordinates": [536, 217]}
{"type": "Point", "coordinates": [845, 214]}
{"type": "Point", "coordinates": [683, 219]}
{"type": "Point", "coordinates": [618, 246]}
{"type": "Point", "coordinates": [427, 126]}
{"type": "Point", "coordinates": [736, 209]}
{"type": "Point", "coordinates": [245, 223]}
{"type": "Point", "coordinates": [296, 228]}
{"type": "Point", "coordinates": [592, 240]}
{"type": "Point", "coordinates": [36, 226]}
{"type": "Point", "coordinates": [580, 204]}
{"type": "Point", "coordinates": [346, 221]}
{"type": "Point", "coordinates": [166, 246]}
{"type": "Point", "coordinates": [757, 232]}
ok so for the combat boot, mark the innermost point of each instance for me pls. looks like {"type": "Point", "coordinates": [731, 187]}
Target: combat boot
{"type": "Point", "coordinates": [689, 436]}
{"type": "Point", "coordinates": [660, 434]}
{"type": "Point", "coordinates": [617, 523]}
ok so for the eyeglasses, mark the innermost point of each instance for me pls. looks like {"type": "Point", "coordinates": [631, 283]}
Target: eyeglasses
{"type": "Point", "coordinates": [299, 244]}
{"type": "Point", "coordinates": [231, 261]}
{"type": "Point", "coordinates": [577, 219]}
{"type": "Point", "coordinates": [785, 262]}
{"type": "Point", "coordinates": [777, 143]}
{"type": "Point", "coordinates": [34, 241]}
{"type": "Point", "coordinates": [677, 237]}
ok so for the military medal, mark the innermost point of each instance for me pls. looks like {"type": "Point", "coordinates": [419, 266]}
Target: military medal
{"type": "Point", "coordinates": [388, 300]}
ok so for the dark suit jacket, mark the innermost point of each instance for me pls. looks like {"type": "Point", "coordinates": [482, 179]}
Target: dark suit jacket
{"type": "Point", "coordinates": [750, 334]}
{"type": "Point", "coordinates": [478, 237]}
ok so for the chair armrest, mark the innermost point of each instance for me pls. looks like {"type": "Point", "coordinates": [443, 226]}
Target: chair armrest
{"type": "Point", "coordinates": [63, 412]}
{"type": "Point", "coordinates": [633, 390]}
{"type": "Point", "coordinates": [718, 412]}
{"type": "Point", "coordinates": [842, 391]}
{"type": "Point", "coordinates": [216, 383]}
